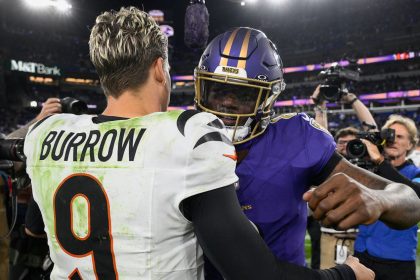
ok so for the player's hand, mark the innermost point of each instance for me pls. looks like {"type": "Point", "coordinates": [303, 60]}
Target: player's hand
{"type": "Point", "coordinates": [316, 98]}
{"type": "Point", "coordinates": [50, 107]}
{"type": "Point", "coordinates": [373, 151]}
{"type": "Point", "coordinates": [341, 202]}
{"type": "Point", "coordinates": [361, 271]}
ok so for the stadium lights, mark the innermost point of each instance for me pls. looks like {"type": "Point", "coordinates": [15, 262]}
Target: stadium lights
{"type": "Point", "coordinates": [37, 3]}
{"type": "Point", "coordinates": [61, 5]}
{"type": "Point", "coordinates": [246, 2]}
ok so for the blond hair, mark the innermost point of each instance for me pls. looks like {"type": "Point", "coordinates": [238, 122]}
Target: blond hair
{"type": "Point", "coordinates": [123, 45]}
{"type": "Point", "coordinates": [408, 124]}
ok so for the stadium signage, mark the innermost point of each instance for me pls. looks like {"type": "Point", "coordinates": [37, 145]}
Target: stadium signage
{"type": "Point", "coordinates": [35, 68]}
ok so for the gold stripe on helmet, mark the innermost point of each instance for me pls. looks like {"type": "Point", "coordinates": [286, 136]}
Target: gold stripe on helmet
{"type": "Point", "coordinates": [228, 47]}
{"type": "Point", "coordinates": [244, 51]}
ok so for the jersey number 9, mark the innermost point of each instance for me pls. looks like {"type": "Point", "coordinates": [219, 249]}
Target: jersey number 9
{"type": "Point", "coordinates": [97, 243]}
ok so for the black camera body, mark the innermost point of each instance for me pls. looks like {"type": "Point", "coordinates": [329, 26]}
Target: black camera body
{"type": "Point", "coordinates": [334, 81]}
{"type": "Point", "coordinates": [356, 149]}
{"type": "Point", "coordinates": [73, 106]}
{"type": "Point", "coordinates": [11, 150]}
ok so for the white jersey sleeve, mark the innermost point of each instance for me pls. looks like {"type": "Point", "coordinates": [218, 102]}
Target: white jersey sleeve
{"type": "Point", "coordinates": [212, 160]}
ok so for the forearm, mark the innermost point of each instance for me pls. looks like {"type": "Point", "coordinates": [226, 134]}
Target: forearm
{"type": "Point", "coordinates": [228, 239]}
{"type": "Point", "coordinates": [402, 206]}
{"type": "Point", "coordinates": [399, 204]}
{"type": "Point", "coordinates": [320, 108]}
{"type": "Point", "coordinates": [21, 132]}
{"type": "Point", "coordinates": [340, 272]}
{"type": "Point", "coordinates": [321, 116]}
{"type": "Point", "coordinates": [363, 114]}
{"type": "Point", "coordinates": [386, 170]}
{"type": "Point", "coordinates": [235, 248]}
{"type": "Point", "coordinates": [367, 178]}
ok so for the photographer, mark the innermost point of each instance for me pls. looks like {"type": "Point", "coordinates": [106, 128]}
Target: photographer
{"type": "Point", "coordinates": [28, 245]}
{"type": "Point", "coordinates": [333, 88]}
{"type": "Point", "coordinates": [363, 114]}
{"type": "Point", "coordinates": [342, 137]}
{"type": "Point", "coordinates": [50, 107]}
{"type": "Point", "coordinates": [4, 242]}
{"type": "Point", "coordinates": [28, 248]}
{"type": "Point", "coordinates": [390, 253]}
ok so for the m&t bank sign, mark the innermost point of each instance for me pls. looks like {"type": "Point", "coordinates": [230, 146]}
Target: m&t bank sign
{"type": "Point", "coordinates": [34, 68]}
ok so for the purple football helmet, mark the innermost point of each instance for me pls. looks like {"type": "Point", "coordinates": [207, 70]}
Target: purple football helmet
{"type": "Point", "coordinates": [239, 77]}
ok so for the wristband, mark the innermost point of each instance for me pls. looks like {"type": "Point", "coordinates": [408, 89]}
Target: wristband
{"type": "Point", "coordinates": [354, 100]}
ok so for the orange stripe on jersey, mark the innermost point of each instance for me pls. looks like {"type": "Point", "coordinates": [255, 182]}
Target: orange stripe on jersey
{"type": "Point", "coordinates": [233, 157]}
{"type": "Point", "coordinates": [244, 50]}
{"type": "Point", "coordinates": [75, 275]}
{"type": "Point", "coordinates": [228, 47]}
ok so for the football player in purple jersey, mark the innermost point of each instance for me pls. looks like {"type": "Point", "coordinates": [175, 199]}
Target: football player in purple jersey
{"type": "Point", "coordinates": [239, 78]}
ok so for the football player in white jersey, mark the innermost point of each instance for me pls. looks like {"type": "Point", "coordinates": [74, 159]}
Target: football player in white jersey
{"type": "Point", "coordinates": [138, 192]}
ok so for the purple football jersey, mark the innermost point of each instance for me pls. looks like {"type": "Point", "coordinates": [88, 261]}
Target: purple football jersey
{"type": "Point", "coordinates": [274, 175]}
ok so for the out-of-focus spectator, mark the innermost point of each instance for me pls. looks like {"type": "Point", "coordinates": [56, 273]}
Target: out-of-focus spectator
{"type": "Point", "coordinates": [4, 228]}
{"type": "Point", "coordinates": [392, 253]}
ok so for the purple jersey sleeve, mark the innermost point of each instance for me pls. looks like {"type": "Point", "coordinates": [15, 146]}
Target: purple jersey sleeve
{"type": "Point", "coordinates": [319, 143]}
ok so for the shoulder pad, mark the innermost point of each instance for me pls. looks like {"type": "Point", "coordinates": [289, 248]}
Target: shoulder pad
{"type": "Point", "coordinates": [283, 117]}
{"type": "Point", "coordinates": [201, 127]}
{"type": "Point", "coordinates": [36, 124]}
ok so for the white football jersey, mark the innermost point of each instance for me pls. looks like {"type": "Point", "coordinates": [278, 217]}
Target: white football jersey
{"type": "Point", "coordinates": [110, 192]}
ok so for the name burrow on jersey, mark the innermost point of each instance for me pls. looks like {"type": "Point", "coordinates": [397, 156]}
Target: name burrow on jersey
{"type": "Point", "coordinates": [91, 146]}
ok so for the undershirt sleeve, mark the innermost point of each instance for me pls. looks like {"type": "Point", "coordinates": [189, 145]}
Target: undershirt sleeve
{"type": "Point", "coordinates": [234, 247]}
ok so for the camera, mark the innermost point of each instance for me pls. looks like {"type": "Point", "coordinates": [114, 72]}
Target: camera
{"type": "Point", "coordinates": [356, 149]}
{"type": "Point", "coordinates": [73, 106]}
{"type": "Point", "coordinates": [11, 150]}
{"type": "Point", "coordinates": [334, 81]}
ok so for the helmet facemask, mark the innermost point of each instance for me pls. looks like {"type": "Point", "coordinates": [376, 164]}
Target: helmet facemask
{"type": "Point", "coordinates": [238, 78]}
{"type": "Point", "coordinates": [243, 104]}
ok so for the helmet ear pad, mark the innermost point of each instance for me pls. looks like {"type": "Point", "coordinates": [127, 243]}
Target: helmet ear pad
{"type": "Point", "coordinates": [247, 59]}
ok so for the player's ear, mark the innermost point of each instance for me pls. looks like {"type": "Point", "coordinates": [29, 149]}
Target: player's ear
{"type": "Point", "coordinates": [159, 70]}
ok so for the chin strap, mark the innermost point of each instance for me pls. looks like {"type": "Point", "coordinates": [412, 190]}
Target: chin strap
{"type": "Point", "coordinates": [251, 122]}
{"type": "Point", "coordinates": [240, 132]}
{"type": "Point", "coordinates": [259, 115]}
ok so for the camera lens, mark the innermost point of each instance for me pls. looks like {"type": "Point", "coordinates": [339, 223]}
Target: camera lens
{"type": "Point", "coordinates": [78, 107]}
{"type": "Point", "coordinates": [73, 106]}
{"type": "Point", "coordinates": [356, 149]}
{"type": "Point", "coordinates": [12, 149]}
{"type": "Point", "coordinates": [330, 92]}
